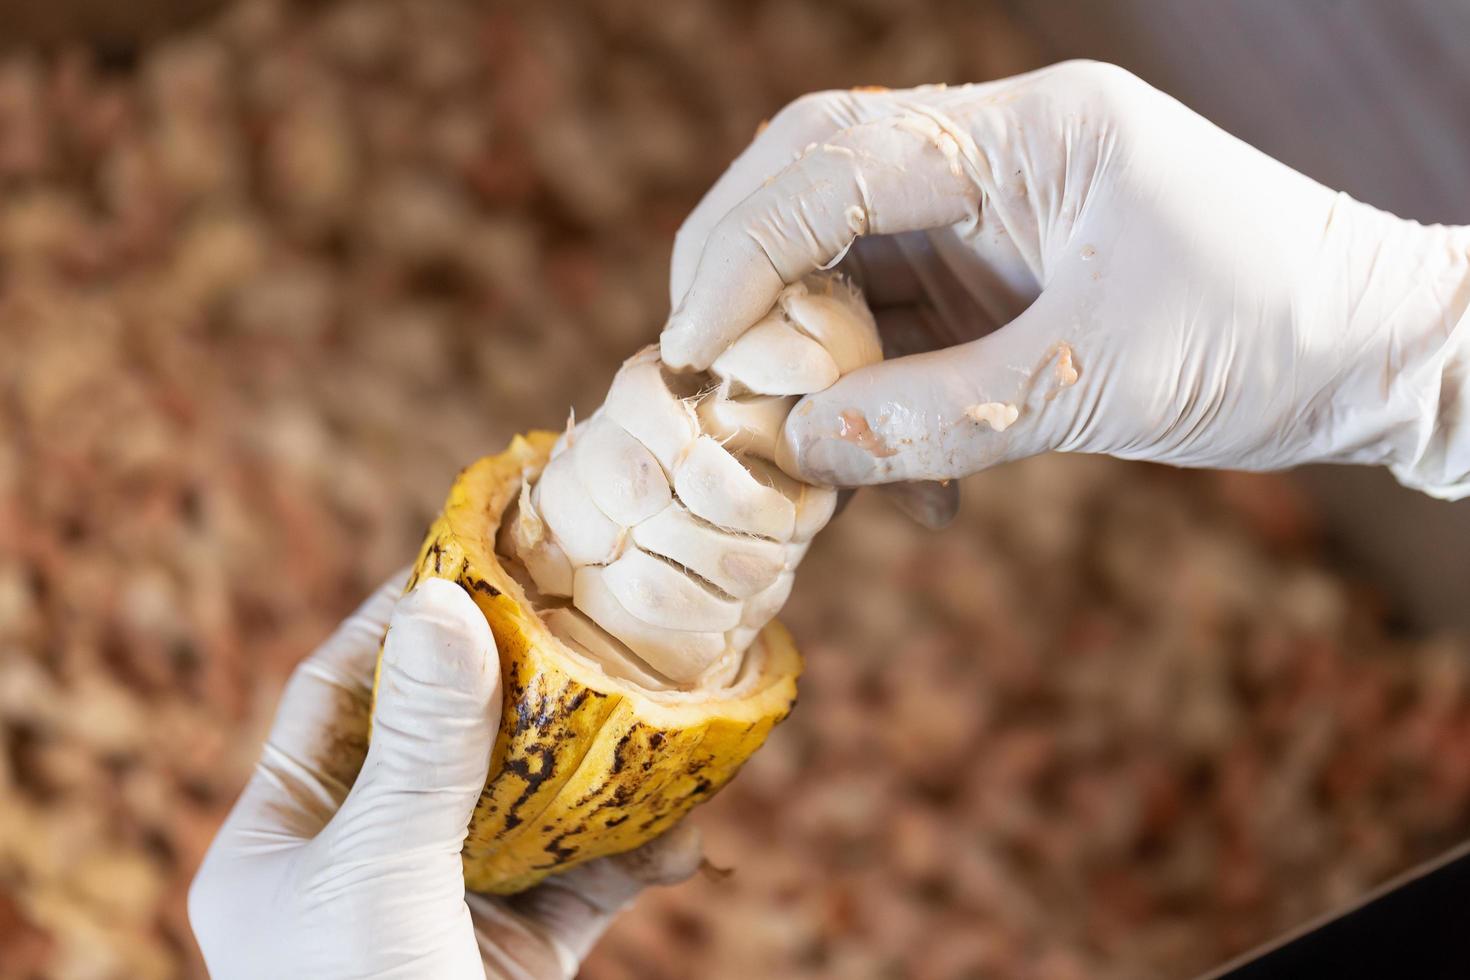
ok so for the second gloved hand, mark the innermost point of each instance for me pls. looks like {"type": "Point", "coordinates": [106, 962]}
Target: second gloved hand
{"type": "Point", "coordinates": [1109, 272]}
{"type": "Point", "coordinates": [343, 860]}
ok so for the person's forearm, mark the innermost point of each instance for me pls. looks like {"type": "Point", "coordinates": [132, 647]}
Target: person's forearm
{"type": "Point", "coordinates": [1405, 402]}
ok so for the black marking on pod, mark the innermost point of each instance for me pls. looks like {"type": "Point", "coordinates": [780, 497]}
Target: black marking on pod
{"type": "Point", "coordinates": [533, 778]}
{"type": "Point", "coordinates": [483, 587]}
{"type": "Point", "coordinates": [621, 796]}
{"type": "Point", "coordinates": [619, 753]}
{"type": "Point", "coordinates": [555, 848]}
{"type": "Point", "coordinates": [536, 711]}
{"type": "Point", "coordinates": [655, 741]}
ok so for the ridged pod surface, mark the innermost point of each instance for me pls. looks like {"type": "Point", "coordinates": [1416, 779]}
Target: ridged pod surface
{"type": "Point", "coordinates": [585, 764]}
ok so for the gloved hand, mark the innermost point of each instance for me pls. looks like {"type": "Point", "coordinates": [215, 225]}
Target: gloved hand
{"type": "Point", "coordinates": [1116, 274]}
{"type": "Point", "coordinates": [325, 871]}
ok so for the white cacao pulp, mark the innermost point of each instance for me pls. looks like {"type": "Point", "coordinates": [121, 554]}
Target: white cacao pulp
{"type": "Point", "coordinates": [662, 517]}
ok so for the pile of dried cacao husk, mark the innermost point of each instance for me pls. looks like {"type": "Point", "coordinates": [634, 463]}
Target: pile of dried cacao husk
{"type": "Point", "coordinates": [267, 282]}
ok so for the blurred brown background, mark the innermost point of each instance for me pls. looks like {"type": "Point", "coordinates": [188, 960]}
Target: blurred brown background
{"type": "Point", "coordinates": [270, 272]}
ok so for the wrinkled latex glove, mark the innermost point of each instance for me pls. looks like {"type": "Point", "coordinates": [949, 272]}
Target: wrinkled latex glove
{"type": "Point", "coordinates": [341, 860]}
{"type": "Point", "coordinates": [1106, 272]}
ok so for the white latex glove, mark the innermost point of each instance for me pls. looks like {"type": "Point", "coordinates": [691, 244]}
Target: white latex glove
{"type": "Point", "coordinates": [1218, 308]}
{"type": "Point", "coordinates": [322, 871]}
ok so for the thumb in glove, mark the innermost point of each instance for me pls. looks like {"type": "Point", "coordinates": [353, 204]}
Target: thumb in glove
{"type": "Point", "coordinates": [434, 722]}
{"type": "Point", "coordinates": [945, 414]}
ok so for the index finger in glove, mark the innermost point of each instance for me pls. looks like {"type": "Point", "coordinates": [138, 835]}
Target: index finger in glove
{"type": "Point", "coordinates": [948, 413]}
{"type": "Point", "coordinates": [907, 172]}
{"type": "Point", "coordinates": [813, 118]}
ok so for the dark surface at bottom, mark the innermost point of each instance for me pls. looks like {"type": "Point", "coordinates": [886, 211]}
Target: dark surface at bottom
{"type": "Point", "coordinates": [1416, 930]}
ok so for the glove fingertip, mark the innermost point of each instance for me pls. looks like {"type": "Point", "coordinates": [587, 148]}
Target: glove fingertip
{"type": "Point", "coordinates": [822, 446]}
{"type": "Point", "coordinates": [439, 637]}
{"type": "Point", "coordinates": [680, 347]}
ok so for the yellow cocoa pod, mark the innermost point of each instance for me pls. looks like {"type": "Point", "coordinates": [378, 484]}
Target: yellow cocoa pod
{"type": "Point", "coordinates": [585, 765]}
